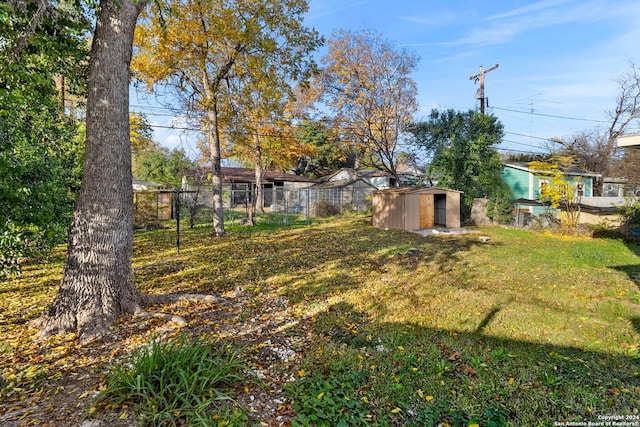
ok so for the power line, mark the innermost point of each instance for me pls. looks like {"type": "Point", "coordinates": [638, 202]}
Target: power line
{"type": "Point", "coordinates": [520, 143]}
{"type": "Point", "coordinates": [529, 136]}
{"type": "Point", "coordinates": [549, 115]}
{"type": "Point", "coordinates": [517, 151]}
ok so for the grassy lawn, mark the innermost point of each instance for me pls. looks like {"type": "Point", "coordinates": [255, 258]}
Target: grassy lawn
{"type": "Point", "coordinates": [527, 329]}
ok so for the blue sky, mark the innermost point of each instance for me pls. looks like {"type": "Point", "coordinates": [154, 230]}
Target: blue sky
{"type": "Point", "coordinates": [558, 58]}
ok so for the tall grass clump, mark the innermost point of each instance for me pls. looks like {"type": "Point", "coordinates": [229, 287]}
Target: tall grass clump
{"type": "Point", "coordinates": [176, 382]}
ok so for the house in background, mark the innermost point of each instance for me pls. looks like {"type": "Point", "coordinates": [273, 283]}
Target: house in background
{"type": "Point", "coordinates": [378, 179]}
{"type": "Point", "coordinates": [619, 187]}
{"type": "Point", "coordinates": [526, 184]}
{"type": "Point", "coordinates": [142, 185]}
{"type": "Point", "coordinates": [352, 193]}
{"type": "Point", "coordinates": [408, 176]}
{"type": "Point", "coordinates": [239, 184]}
{"type": "Point", "coordinates": [629, 141]}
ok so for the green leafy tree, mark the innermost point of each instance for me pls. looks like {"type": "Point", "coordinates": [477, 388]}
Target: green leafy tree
{"type": "Point", "coordinates": [41, 149]}
{"type": "Point", "coordinates": [164, 166]}
{"type": "Point", "coordinates": [328, 154]}
{"type": "Point", "coordinates": [141, 139]}
{"type": "Point", "coordinates": [462, 149]}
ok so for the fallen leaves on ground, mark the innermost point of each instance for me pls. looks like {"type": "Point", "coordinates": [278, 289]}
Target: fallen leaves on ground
{"type": "Point", "coordinates": [54, 384]}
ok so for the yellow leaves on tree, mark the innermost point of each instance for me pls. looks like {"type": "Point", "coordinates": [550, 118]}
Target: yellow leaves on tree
{"type": "Point", "coordinates": [559, 188]}
{"type": "Point", "coordinates": [212, 55]}
{"type": "Point", "coordinates": [369, 88]}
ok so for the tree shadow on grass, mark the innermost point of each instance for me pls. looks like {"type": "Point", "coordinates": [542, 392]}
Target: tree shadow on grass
{"type": "Point", "coordinates": [468, 376]}
{"type": "Point", "coordinates": [364, 252]}
{"type": "Point", "coordinates": [632, 271]}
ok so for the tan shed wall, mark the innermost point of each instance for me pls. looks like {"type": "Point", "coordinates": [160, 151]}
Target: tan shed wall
{"type": "Point", "coordinates": [388, 211]}
{"type": "Point", "coordinates": [453, 210]}
{"type": "Point", "coordinates": [411, 212]}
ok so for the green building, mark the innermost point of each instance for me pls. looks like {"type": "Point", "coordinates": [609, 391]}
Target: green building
{"type": "Point", "coordinates": [526, 184]}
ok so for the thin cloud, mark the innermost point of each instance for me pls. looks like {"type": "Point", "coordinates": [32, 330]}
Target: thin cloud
{"type": "Point", "coordinates": [504, 27]}
{"type": "Point", "coordinates": [541, 5]}
{"type": "Point", "coordinates": [439, 18]}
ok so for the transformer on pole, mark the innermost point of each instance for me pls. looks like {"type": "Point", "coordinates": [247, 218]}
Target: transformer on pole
{"type": "Point", "coordinates": [480, 93]}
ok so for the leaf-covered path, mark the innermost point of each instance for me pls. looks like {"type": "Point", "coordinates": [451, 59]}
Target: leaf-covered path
{"type": "Point", "coordinates": [273, 336]}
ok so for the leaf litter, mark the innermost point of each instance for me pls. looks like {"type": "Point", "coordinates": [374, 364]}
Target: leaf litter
{"type": "Point", "coordinates": [54, 384]}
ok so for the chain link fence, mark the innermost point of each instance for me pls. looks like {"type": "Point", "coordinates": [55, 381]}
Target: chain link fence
{"type": "Point", "coordinates": [153, 208]}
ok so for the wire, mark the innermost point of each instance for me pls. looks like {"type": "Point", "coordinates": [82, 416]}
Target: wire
{"type": "Point", "coordinates": [549, 115]}
{"type": "Point", "coordinates": [529, 136]}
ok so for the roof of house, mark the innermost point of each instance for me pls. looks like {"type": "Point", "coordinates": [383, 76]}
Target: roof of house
{"type": "Point", "coordinates": [340, 183]}
{"type": "Point", "coordinates": [142, 183]}
{"type": "Point", "coordinates": [629, 141]}
{"type": "Point", "coordinates": [353, 173]}
{"type": "Point", "coordinates": [587, 204]}
{"type": "Point", "coordinates": [403, 169]}
{"type": "Point", "coordinates": [573, 170]}
{"type": "Point", "coordinates": [248, 175]}
{"type": "Point", "coordinates": [416, 190]}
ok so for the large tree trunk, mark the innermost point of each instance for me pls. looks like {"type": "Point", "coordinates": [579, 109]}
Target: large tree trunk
{"type": "Point", "coordinates": [216, 171]}
{"type": "Point", "coordinates": [97, 283]}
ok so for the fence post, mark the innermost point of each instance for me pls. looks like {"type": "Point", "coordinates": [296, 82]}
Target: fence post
{"type": "Point", "coordinates": [308, 205]}
{"type": "Point", "coordinates": [177, 204]}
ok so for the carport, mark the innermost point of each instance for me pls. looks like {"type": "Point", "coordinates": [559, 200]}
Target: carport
{"type": "Point", "coordinates": [410, 208]}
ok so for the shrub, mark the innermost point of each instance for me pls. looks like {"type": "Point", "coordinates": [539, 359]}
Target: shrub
{"type": "Point", "coordinates": [176, 382]}
{"type": "Point", "coordinates": [325, 209]}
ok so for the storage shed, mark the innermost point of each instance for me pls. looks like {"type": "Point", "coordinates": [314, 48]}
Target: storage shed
{"type": "Point", "coordinates": [412, 208]}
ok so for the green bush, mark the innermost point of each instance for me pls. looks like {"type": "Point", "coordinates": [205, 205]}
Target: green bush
{"type": "Point", "coordinates": [176, 382]}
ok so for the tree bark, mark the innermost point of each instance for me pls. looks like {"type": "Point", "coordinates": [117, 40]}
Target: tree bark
{"type": "Point", "coordinates": [97, 284]}
{"type": "Point", "coordinates": [259, 175]}
{"type": "Point", "coordinates": [216, 171]}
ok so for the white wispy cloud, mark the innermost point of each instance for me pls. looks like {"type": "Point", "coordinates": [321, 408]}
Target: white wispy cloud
{"type": "Point", "coordinates": [534, 7]}
{"type": "Point", "coordinates": [434, 17]}
{"type": "Point", "coordinates": [504, 27]}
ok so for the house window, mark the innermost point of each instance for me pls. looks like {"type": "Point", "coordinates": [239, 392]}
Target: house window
{"type": "Point", "coordinates": [563, 189]}
{"type": "Point", "coordinates": [543, 187]}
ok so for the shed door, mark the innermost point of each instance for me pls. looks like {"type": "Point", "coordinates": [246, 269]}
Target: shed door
{"type": "Point", "coordinates": [441, 209]}
{"type": "Point", "coordinates": [426, 211]}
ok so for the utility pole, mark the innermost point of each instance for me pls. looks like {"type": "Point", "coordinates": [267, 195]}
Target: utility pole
{"type": "Point", "coordinates": [480, 93]}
